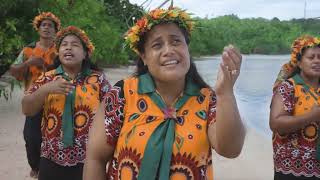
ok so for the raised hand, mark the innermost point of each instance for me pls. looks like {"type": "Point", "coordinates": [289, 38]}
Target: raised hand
{"type": "Point", "coordinates": [229, 70]}
{"type": "Point", "coordinates": [59, 86]}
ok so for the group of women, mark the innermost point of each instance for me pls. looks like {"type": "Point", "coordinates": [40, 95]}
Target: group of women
{"type": "Point", "coordinates": [164, 121]}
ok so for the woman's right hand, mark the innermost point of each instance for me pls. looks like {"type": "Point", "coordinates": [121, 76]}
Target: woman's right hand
{"type": "Point", "coordinates": [229, 70]}
{"type": "Point", "coordinates": [59, 86]}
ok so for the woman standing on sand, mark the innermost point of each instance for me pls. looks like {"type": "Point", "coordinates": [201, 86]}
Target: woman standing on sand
{"type": "Point", "coordinates": [295, 113]}
{"type": "Point", "coordinates": [162, 122]}
{"type": "Point", "coordinates": [69, 96]}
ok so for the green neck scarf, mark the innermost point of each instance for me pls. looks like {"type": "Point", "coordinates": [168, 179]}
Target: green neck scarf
{"type": "Point", "coordinates": [298, 80]}
{"type": "Point", "coordinates": [68, 112]}
{"type": "Point", "coordinates": [157, 156]}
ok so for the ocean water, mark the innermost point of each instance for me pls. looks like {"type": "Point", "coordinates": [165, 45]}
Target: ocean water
{"type": "Point", "coordinates": [253, 89]}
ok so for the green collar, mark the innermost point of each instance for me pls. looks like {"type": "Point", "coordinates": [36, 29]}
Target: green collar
{"type": "Point", "coordinates": [68, 112]}
{"type": "Point", "coordinates": [146, 85]}
{"type": "Point", "coordinates": [298, 79]}
{"type": "Point", "coordinates": [59, 70]}
{"type": "Point", "coordinates": [86, 71]}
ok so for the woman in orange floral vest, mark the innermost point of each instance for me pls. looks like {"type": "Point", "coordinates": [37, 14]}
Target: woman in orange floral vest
{"type": "Point", "coordinates": [163, 122]}
{"type": "Point", "coordinates": [295, 113]}
{"type": "Point", "coordinates": [69, 96]}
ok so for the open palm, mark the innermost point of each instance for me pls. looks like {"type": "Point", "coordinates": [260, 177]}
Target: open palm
{"type": "Point", "coordinates": [229, 70]}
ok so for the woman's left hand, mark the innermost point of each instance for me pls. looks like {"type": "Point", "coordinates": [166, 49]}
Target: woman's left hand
{"type": "Point", "coordinates": [229, 70]}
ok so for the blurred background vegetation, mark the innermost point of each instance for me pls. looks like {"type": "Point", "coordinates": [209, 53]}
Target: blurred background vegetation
{"type": "Point", "coordinates": [107, 20]}
{"type": "Point", "coordinates": [251, 35]}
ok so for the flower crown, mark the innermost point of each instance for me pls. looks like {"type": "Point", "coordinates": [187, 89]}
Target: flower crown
{"type": "Point", "coordinates": [46, 15]}
{"type": "Point", "coordinates": [305, 41]}
{"type": "Point", "coordinates": [77, 32]}
{"type": "Point", "coordinates": [155, 17]}
{"type": "Point", "coordinates": [287, 69]}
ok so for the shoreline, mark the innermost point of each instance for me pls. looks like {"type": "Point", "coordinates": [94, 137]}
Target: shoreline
{"type": "Point", "coordinates": [263, 56]}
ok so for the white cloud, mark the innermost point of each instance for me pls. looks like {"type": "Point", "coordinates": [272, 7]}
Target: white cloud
{"type": "Point", "coordinates": [283, 9]}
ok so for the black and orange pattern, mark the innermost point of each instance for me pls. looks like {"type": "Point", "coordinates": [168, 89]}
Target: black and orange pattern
{"type": "Point", "coordinates": [90, 91]}
{"type": "Point", "coordinates": [130, 119]}
{"type": "Point", "coordinates": [295, 153]}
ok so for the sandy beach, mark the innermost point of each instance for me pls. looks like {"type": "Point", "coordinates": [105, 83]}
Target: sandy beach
{"type": "Point", "coordinates": [254, 162]}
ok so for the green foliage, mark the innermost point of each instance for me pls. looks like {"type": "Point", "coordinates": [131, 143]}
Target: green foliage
{"type": "Point", "coordinates": [123, 13]}
{"type": "Point", "coordinates": [255, 35]}
{"type": "Point", "coordinates": [10, 43]}
{"type": "Point", "coordinates": [11, 40]}
{"type": "Point", "coordinates": [90, 16]}
{"type": "Point", "coordinates": [15, 31]}
{"type": "Point", "coordinates": [106, 21]}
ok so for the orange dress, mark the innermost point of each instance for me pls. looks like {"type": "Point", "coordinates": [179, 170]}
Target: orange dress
{"type": "Point", "coordinates": [90, 91]}
{"type": "Point", "coordinates": [295, 153]}
{"type": "Point", "coordinates": [34, 72]}
{"type": "Point", "coordinates": [131, 118]}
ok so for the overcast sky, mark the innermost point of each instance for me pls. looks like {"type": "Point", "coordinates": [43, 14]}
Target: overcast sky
{"type": "Point", "coordinates": [282, 9]}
